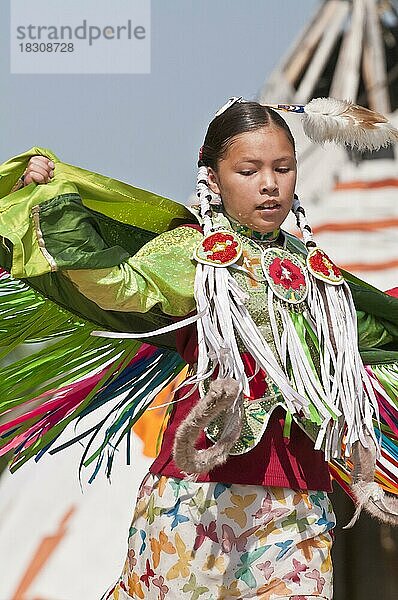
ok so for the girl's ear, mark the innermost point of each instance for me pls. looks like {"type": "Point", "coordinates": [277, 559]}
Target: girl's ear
{"type": "Point", "coordinates": [212, 181]}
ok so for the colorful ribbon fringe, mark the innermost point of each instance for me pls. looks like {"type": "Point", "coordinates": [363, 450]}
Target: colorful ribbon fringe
{"type": "Point", "coordinates": [76, 376]}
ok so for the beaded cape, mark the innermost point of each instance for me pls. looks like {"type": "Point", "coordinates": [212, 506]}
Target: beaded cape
{"type": "Point", "coordinates": [105, 222]}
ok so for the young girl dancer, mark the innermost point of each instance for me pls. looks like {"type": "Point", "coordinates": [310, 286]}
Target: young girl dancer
{"type": "Point", "coordinates": [236, 504]}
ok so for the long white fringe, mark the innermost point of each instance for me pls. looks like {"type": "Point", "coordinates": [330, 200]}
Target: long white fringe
{"type": "Point", "coordinates": [344, 377]}
{"type": "Point", "coordinates": [221, 303]}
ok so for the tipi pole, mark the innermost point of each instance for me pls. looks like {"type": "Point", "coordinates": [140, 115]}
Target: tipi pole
{"type": "Point", "coordinates": [307, 43]}
{"type": "Point", "coordinates": [374, 64]}
{"type": "Point", "coordinates": [346, 77]}
{"type": "Point", "coordinates": [322, 53]}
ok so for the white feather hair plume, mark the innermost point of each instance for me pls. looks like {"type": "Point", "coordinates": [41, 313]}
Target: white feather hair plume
{"type": "Point", "coordinates": [340, 121]}
{"type": "Point", "coordinates": [343, 122]}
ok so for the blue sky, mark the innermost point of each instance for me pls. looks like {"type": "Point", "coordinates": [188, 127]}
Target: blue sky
{"type": "Point", "coordinates": [146, 129]}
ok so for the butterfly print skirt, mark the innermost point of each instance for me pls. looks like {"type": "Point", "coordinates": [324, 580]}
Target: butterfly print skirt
{"type": "Point", "coordinates": [215, 541]}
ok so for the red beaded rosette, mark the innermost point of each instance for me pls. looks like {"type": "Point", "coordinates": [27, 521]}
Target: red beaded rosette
{"type": "Point", "coordinates": [321, 267]}
{"type": "Point", "coordinates": [285, 275]}
{"type": "Point", "coordinates": [220, 249]}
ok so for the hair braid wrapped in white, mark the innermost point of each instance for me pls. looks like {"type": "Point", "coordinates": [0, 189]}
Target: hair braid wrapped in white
{"type": "Point", "coordinates": [302, 222]}
{"type": "Point", "coordinates": [204, 196]}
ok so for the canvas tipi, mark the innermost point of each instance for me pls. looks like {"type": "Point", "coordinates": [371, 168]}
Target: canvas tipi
{"type": "Point", "coordinates": [349, 51]}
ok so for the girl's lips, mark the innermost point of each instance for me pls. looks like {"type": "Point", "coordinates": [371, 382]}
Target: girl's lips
{"type": "Point", "coordinates": [268, 208]}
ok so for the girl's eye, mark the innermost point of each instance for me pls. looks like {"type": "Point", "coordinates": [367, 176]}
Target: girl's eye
{"type": "Point", "coordinates": [283, 170]}
{"type": "Point", "coordinates": [247, 173]}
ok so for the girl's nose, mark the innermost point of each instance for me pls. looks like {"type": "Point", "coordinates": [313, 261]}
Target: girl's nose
{"type": "Point", "coordinates": [269, 185]}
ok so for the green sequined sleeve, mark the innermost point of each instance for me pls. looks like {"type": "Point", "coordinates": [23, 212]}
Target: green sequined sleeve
{"type": "Point", "coordinates": [162, 272]}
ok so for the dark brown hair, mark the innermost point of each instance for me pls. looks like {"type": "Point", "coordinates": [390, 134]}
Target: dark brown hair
{"type": "Point", "coordinates": [239, 118]}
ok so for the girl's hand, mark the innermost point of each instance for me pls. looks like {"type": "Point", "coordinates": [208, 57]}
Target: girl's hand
{"type": "Point", "coordinates": [40, 169]}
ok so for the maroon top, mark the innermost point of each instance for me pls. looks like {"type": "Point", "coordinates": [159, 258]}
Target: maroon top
{"type": "Point", "coordinates": [273, 462]}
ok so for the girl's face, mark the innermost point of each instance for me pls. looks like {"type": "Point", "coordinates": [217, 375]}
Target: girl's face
{"type": "Point", "coordinates": [256, 178]}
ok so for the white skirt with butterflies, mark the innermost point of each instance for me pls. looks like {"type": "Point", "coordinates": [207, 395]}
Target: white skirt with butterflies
{"type": "Point", "coordinates": [215, 541]}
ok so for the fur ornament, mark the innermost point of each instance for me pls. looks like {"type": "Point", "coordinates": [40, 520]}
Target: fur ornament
{"type": "Point", "coordinates": [369, 494]}
{"type": "Point", "coordinates": [222, 395]}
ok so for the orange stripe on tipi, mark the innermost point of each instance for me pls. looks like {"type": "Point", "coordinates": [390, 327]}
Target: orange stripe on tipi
{"type": "Point", "coordinates": [43, 552]}
{"type": "Point", "coordinates": [381, 266]}
{"type": "Point", "coordinates": [356, 225]}
{"type": "Point", "coordinates": [366, 185]}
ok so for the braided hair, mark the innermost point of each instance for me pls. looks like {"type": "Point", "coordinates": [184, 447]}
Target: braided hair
{"type": "Point", "coordinates": [302, 222]}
